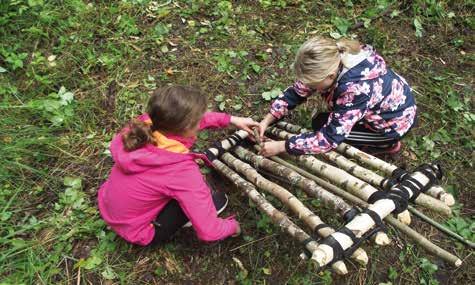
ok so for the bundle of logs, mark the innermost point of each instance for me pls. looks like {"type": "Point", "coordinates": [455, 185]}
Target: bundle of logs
{"type": "Point", "coordinates": [342, 180]}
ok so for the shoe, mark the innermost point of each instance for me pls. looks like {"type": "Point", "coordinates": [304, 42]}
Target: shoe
{"type": "Point", "coordinates": [220, 201]}
{"type": "Point", "coordinates": [382, 150]}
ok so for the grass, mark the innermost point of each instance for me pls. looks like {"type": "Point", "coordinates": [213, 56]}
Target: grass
{"type": "Point", "coordinates": [73, 72]}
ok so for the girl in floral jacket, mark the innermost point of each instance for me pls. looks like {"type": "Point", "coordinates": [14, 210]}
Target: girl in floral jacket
{"type": "Point", "coordinates": [371, 106]}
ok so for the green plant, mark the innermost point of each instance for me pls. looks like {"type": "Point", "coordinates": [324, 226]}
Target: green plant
{"type": "Point", "coordinates": [57, 107]}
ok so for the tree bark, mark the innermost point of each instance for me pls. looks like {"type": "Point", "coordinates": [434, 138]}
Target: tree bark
{"type": "Point", "coordinates": [436, 192]}
{"type": "Point", "coordinates": [339, 177]}
{"type": "Point", "coordinates": [288, 199]}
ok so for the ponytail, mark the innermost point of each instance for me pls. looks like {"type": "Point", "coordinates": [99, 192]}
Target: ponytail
{"type": "Point", "coordinates": [349, 46]}
{"type": "Point", "coordinates": [139, 134]}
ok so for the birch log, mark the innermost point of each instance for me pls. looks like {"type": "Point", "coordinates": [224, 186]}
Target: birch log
{"type": "Point", "coordinates": [377, 180]}
{"type": "Point", "coordinates": [277, 217]}
{"type": "Point", "coordinates": [340, 177]}
{"type": "Point", "coordinates": [414, 235]}
{"type": "Point", "coordinates": [308, 186]}
{"type": "Point", "coordinates": [310, 219]}
{"type": "Point", "coordinates": [263, 205]}
{"type": "Point", "coordinates": [380, 238]}
{"type": "Point", "coordinates": [364, 222]}
{"type": "Point", "coordinates": [286, 197]}
{"type": "Point", "coordinates": [435, 191]}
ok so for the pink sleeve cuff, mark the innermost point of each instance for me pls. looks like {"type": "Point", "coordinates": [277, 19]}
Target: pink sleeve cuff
{"type": "Point", "coordinates": [215, 120]}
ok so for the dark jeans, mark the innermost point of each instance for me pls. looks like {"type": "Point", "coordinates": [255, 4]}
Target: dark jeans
{"type": "Point", "coordinates": [172, 218]}
{"type": "Point", "coordinates": [168, 222]}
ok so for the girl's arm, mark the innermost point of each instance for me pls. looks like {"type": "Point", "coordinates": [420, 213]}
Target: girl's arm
{"type": "Point", "coordinates": [341, 121]}
{"type": "Point", "coordinates": [288, 100]}
{"type": "Point", "coordinates": [214, 120]}
{"type": "Point", "coordinates": [221, 120]}
{"type": "Point", "coordinates": [195, 199]}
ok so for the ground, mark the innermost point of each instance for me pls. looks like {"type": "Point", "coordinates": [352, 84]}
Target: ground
{"type": "Point", "coordinates": [73, 72]}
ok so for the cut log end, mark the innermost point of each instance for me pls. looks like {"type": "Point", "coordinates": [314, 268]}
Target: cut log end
{"type": "Point", "coordinates": [340, 268]}
{"type": "Point", "coordinates": [319, 257]}
{"type": "Point", "coordinates": [448, 199]}
{"type": "Point", "coordinates": [458, 262]}
{"type": "Point", "coordinates": [361, 257]}
{"type": "Point", "coordinates": [382, 239]}
{"type": "Point", "coordinates": [404, 217]}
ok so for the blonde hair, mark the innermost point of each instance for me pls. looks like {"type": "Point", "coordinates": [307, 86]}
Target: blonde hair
{"type": "Point", "coordinates": [320, 56]}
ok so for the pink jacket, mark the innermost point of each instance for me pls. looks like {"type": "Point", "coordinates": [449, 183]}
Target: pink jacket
{"type": "Point", "coordinates": [143, 181]}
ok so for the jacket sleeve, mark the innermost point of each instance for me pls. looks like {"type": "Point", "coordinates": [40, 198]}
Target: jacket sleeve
{"type": "Point", "coordinates": [294, 95]}
{"type": "Point", "coordinates": [350, 107]}
{"type": "Point", "coordinates": [196, 201]}
{"type": "Point", "coordinates": [214, 120]}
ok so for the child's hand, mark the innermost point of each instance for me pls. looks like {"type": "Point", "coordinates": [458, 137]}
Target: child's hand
{"type": "Point", "coordinates": [268, 119]}
{"type": "Point", "coordinates": [245, 124]}
{"type": "Point", "coordinates": [238, 231]}
{"type": "Point", "coordinates": [272, 148]}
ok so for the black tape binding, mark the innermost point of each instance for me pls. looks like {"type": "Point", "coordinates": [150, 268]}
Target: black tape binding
{"type": "Point", "coordinates": [233, 141]}
{"type": "Point", "coordinates": [399, 193]}
{"type": "Point", "coordinates": [338, 252]}
{"type": "Point", "coordinates": [398, 174]}
{"type": "Point", "coordinates": [350, 214]}
{"type": "Point", "coordinates": [305, 249]}
{"type": "Point", "coordinates": [320, 226]}
{"type": "Point", "coordinates": [387, 183]}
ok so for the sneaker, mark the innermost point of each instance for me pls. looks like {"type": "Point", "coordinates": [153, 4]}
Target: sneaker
{"type": "Point", "coordinates": [382, 150]}
{"type": "Point", "coordinates": [220, 201]}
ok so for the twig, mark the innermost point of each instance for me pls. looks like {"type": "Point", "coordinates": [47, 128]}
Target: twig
{"type": "Point", "coordinates": [251, 242]}
{"type": "Point", "coordinates": [256, 136]}
{"type": "Point", "coordinates": [441, 227]}
{"type": "Point", "coordinates": [79, 276]}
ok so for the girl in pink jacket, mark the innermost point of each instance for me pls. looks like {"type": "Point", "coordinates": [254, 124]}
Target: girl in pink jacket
{"type": "Point", "coordinates": [155, 186]}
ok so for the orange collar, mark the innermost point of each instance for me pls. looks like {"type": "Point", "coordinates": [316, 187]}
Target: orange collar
{"type": "Point", "coordinates": [162, 142]}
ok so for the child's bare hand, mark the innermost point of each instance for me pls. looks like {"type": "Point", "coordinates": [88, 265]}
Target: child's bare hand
{"type": "Point", "coordinates": [245, 124]}
{"type": "Point", "coordinates": [272, 148]}
{"type": "Point", "coordinates": [268, 120]}
{"type": "Point", "coordinates": [238, 231]}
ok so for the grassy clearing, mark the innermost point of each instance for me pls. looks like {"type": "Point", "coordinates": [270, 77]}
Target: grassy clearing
{"type": "Point", "coordinates": [73, 72]}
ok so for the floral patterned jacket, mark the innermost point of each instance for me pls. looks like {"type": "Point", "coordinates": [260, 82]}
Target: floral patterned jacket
{"type": "Point", "coordinates": [369, 91]}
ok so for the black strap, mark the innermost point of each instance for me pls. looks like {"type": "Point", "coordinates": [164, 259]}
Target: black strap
{"type": "Point", "coordinates": [338, 252]}
{"type": "Point", "coordinates": [378, 195]}
{"type": "Point", "coordinates": [387, 183]}
{"type": "Point", "coordinates": [305, 249]}
{"type": "Point", "coordinates": [233, 140]}
{"type": "Point", "coordinates": [376, 218]}
{"type": "Point", "coordinates": [398, 174]}
{"type": "Point", "coordinates": [350, 214]}
{"type": "Point", "coordinates": [320, 226]}
{"type": "Point", "coordinates": [348, 232]}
